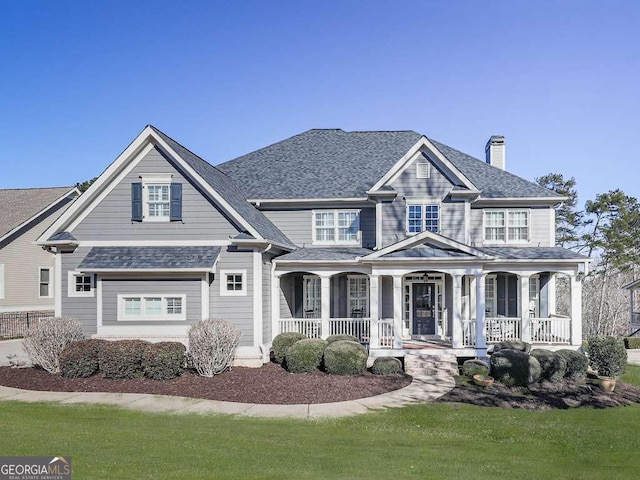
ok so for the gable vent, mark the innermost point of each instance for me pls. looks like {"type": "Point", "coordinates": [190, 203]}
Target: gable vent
{"type": "Point", "coordinates": [423, 170]}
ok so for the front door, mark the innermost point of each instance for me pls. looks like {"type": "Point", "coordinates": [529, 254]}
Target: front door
{"type": "Point", "coordinates": [424, 309]}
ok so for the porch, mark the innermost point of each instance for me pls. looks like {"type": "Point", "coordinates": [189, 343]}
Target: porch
{"type": "Point", "coordinates": [460, 312]}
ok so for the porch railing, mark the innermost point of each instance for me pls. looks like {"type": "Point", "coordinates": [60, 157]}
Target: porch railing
{"type": "Point", "coordinates": [311, 327]}
{"type": "Point", "coordinates": [469, 333]}
{"type": "Point", "coordinates": [386, 333]}
{"type": "Point", "coordinates": [356, 327]}
{"type": "Point", "coordinates": [551, 330]}
{"type": "Point", "coordinates": [501, 329]}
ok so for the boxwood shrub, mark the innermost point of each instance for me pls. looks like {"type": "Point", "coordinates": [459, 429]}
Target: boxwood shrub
{"type": "Point", "coordinates": [475, 367]}
{"type": "Point", "coordinates": [577, 364]}
{"type": "Point", "coordinates": [607, 356]}
{"type": "Point", "coordinates": [553, 366]}
{"type": "Point", "coordinates": [122, 359]}
{"type": "Point", "coordinates": [81, 359]}
{"type": "Point", "coordinates": [631, 343]}
{"type": "Point", "coordinates": [282, 342]}
{"type": "Point", "coordinates": [345, 358]}
{"type": "Point", "coordinates": [514, 368]}
{"type": "Point", "coordinates": [386, 366]}
{"type": "Point", "coordinates": [512, 345]}
{"type": "Point", "coordinates": [164, 360]}
{"type": "Point", "coordinates": [305, 355]}
{"type": "Point", "coordinates": [337, 338]}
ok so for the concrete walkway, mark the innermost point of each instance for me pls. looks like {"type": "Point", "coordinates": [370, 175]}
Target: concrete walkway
{"type": "Point", "coordinates": [10, 348]}
{"type": "Point", "coordinates": [422, 389]}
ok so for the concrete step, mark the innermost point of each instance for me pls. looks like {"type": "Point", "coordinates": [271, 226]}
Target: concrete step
{"type": "Point", "coordinates": [431, 364]}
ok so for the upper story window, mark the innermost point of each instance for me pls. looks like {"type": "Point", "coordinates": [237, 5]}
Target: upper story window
{"type": "Point", "coordinates": [336, 227]}
{"type": "Point", "coordinates": [421, 217]}
{"type": "Point", "coordinates": [506, 226]}
{"type": "Point", "coordinates": [156, 199]}
{"type": "Point", "coordinates": [44, 282]}
{"type": "Point", "coordinates": [79, 285]}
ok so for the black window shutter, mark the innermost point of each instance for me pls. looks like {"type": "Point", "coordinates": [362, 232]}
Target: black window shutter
{"type": "Point", "coordinates": [175, 212]}
{"type": "Point", "coordinates": [136, 202]}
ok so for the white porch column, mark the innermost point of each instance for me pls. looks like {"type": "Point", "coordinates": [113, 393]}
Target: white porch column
{"type": "Point", "coordinates": [576, 310]}
{"type": "Point", "coordinates": [456, 317]}
{"type": "Point", "coordinates": [524, 308]}
{"type": "Point", "coordinates": [374, 315]}
{"type": "Point", "coordinates": [481, 336]}
{"type": "Point", "coordinates": [378, 225]}
{"type": "Point", "coordinates": [551, 293]}
{"type": "Point", "coordinates": [275, 305]}
{"type": "Point", "coordinates": [325, 304]}
{"type": "Point", "coordinates": [397, 311]}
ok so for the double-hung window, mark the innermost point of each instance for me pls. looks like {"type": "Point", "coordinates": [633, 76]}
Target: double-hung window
{"type": "Point", "coordinates": [336, 227]}
{"type": "Point", "coordinates": [44, 282]}
{"type": "Point", "coordinates": [421, 217]}
{"type": "Point", "coordinates": [156, 199]}
{"type": "Point", "coordinates": [136, 307]}
{"type": "Point", "coordinates": [506, 226]}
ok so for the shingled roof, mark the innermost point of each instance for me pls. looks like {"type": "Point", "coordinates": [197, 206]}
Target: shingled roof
{"type": "Point", "coordinates": [338, 164]}
{"type": "Point", "coordinates": [21, 204]}
{"type": "Point", "coordinates": [225, 186]}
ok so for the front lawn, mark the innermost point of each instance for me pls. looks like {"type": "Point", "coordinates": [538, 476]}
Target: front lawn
{"type": "Point", "coordinates": [443, 441]}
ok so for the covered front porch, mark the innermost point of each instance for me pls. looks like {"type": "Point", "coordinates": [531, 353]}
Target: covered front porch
{"type": "Point", "coordinates": [395, 310]}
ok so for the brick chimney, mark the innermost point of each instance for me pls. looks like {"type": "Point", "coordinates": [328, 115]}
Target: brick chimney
{"type": "Point", "coordinates": [494, 151]}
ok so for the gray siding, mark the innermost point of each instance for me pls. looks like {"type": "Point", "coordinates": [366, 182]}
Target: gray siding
{"type": "Point", "coordinates": [295, 224]}
{"type": "Point", "coordinates": [287, 297]}
{"type": "Point", "coordinates": [112, 287]}
{"type": "Point", "coordinates": [83, 308]}
{"type": "Point", "coordinates": [437, 186]}
{"type": "Point", "coordinates": [387, 297]}
{"type": "Point", "coordinates": [540, 221]}
{"type": "Point", "coordinates": [236, 309]}
{"type": "Point", "coordinates": [452, 223]}
{"type": "Point", "coordinates": [266, 299]}
{"type": "Point", "coordinates": [21, 258]}
{"type": "Point", "coordinates": [111, 219]}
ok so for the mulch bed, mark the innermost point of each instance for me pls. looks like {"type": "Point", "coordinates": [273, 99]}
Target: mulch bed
{"type": "Point", "coordinates": [542, 396]}
{"type": "Point", "coordinates": [270, 384]}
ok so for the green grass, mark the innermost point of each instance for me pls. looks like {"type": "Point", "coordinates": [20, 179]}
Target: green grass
{"type": "Point", "coordinates": [429, 441]}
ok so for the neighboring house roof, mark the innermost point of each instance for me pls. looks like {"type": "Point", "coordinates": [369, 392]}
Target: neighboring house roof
{"type": "Point", "coordinates": [338, 164]}
{"type": "Point", "coordinates": [24, 204]}
{"type": "Point", "coordinates": [150, 258]}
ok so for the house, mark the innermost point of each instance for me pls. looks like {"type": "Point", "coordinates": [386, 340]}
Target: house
{"type": "Point", "coordinates": [634, 306]}
{"type": "Point", "coordinates": [27, 271]}
{"type": "Point", "coordinates": [390, 236]}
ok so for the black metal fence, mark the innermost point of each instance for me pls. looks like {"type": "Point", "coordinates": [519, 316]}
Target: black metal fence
{"type": "Point", "coordinates": [16, 324]}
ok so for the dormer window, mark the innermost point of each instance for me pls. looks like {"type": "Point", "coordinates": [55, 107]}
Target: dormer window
{"type": "Point", "coordinates": [156, 199]}
{"type": "Point", "coordinates": [336, 227]}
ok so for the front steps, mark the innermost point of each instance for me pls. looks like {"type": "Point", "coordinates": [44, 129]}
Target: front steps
{"type": "Point", "coordinates": [437, 365]}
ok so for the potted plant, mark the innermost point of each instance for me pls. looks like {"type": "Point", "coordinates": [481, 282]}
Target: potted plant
{"type": "Point", "coordinates": [483, 380]}
{"type": "Point", "coordinates": [608, 359]}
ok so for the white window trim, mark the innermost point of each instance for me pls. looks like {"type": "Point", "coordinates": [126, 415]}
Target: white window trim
{"type": "Point", "coordinates": [223, 283]}
{"type": "Point", "coordinates": [336, 227]}
{"type": "Point", "coordinates": [50, 282]}
{"type": "Point", "coordinates": [71, 285]}
{"type": "Point", "coordinates": [423, 205]}
{"type": "Point", "coordinates": [2, 281]}
{"type": "Point", "coordinates": [493, 300]}
{"type": "Point", "coordinates": [165, 317]}
{"type": "Point", "coordinates": [365, 314]}
{"type": "Point", "coordinates": [150, 179]}
{"type": "Point", "coordinates": [506, 212]}
{"type": "Point", "coordinates": [423, 170]}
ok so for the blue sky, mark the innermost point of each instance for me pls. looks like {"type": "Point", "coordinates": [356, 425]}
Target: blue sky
{"type": "Point", "coordinates": [559, 79]}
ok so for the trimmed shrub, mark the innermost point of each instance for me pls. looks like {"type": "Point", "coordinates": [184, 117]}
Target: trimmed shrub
{"type": "Point", "coordinates": [386, 366]}
{"type": "Point", "coordinates": [607, 356]}
{"type": "Point", "coordinates": [512, 345]}
{"type": "Point", "coordinates": [337, 338]}
{"type": "Point", "coordinates": [212, 344]}
{"type": "Point", "coordinates": [282, 342]}
{"type": "Point", "coordinates": [345, 358]}
{"type": "Point", "coordinates": [305, 355]}
{"type": "Point", "coordinates": [122, 359]}
{"type": "Point", "coordinates": [164, 360]}
{"type": "Point", "coordinates": [81, 359]}
{"type": "Point", "coordinates": [577, 364]}
{"type": "Point", "coordinates": [553, 366]}
{"type": "Point", "coordinates": [475, 367]}
{"type": "Point", "coordinates": [514, 368]}
{"type": "Point", "coordinates": [45, 341]}
{"type": "Point", "coordinates": [632, 343]}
